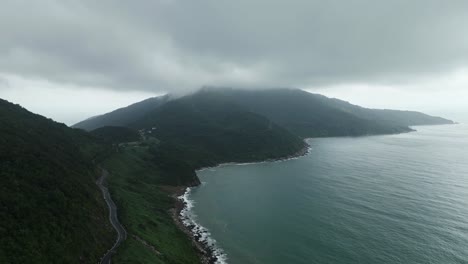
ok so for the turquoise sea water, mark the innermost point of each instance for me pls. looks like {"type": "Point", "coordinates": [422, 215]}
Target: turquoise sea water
{"type": "Point", "coordinates": [379, 199]}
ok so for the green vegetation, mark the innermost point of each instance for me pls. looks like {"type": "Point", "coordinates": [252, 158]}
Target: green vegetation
{"type": "Point", "coordinates": [144, 209]}
{"type": "Point", "coordinates": [50, 193]}
{"type": "Point", "coordinates": [51, 210]}
{"type": "Point", "coordinates": [191, 133]}
{"type": "Point", "coordinates": [312, 115]}
{"type": "Point", "coordinates": [123, 116]}
{"type": "Point", "coordinates": [205, 131]}
{"type": "Point", "coordinates": [302, 113]}
{"type": "Point", "coordinates": [111, 134]}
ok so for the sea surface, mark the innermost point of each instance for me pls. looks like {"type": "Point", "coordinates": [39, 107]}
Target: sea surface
{"type": "Point", "coordinates": [377, 199]}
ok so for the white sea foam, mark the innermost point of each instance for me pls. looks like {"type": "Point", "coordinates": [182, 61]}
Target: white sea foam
{"type": "Point", "coordinates": [201, 233]}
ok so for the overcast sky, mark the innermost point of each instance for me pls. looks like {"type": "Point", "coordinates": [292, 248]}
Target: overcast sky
{"type": "Point", "coordinates": [73, 59]}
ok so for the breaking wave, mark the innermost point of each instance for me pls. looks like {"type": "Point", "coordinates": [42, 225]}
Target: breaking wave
{"type": "Point", "coordinates": [200, 233]}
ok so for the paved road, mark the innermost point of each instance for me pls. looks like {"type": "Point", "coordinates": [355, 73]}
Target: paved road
{"type": "Point", "coordinates": [121, 233]}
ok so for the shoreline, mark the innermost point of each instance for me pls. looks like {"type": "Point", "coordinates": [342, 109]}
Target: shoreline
{"type": "Point", "coordinates": [199, 235]}
{"type": "Point", "coordinates": [302, 152]}
{"type": "Point", "coordinates": [208, 252]}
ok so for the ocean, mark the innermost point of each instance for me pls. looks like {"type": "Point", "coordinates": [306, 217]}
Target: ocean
{"type": "Point", "coordinates": [378, 199]}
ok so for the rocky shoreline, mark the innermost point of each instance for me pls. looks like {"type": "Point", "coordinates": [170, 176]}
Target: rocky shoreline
{"type": "Point", "coordinates": [209, 254]}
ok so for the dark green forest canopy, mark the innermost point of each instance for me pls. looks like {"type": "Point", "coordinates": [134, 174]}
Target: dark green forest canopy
{"type": "Point", "coordinates": [302, 113]}
{"type": "Point", "coordinates": [51, 211]}
{"type": "Point", "coordinates": [208, 131]}
{"type": "Point", "coordinates": [313, 115]}
{"type": "Point", "coordinates": [116, 134]}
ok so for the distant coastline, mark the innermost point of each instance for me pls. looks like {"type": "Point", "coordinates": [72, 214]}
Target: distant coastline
{"type": "Point", "coordinates": [338, 180]}
{"type": "Point", "coordinates": [200, 236]}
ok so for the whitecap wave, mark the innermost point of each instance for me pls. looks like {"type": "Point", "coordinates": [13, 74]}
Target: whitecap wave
{"type": "Point", "coordinates": [200, 233]}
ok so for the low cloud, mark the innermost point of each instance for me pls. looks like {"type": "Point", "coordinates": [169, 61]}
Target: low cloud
{"type": "Point", "coordinates": [66, 103]}
{"type": "Point", "coordinates": [4, 83]}
{"type": "Point", "coordinates": [171, 45]}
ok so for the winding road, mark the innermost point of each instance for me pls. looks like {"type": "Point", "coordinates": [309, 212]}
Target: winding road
{"type": "Point", "coordinates": [121, 233]}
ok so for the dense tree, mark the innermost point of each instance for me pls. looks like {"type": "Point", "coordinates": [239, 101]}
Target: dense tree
{"type": "Point", "coordinates": [51, 211]}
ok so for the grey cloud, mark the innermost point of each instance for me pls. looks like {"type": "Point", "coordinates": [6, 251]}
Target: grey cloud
{"type": "Point", "coordinates": [170, 45]}
{"type": "Point", "coordinates": [4, 83]}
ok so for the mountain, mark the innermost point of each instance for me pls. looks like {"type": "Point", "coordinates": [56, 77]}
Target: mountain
{"type": "Point", "coordinates": [123, 116]}
{"type": "Point", "coordinates": [176, 139]}
{"type": "Point", "coordinates": [151, 149]}
{"type": "Point", "coordinates": [211, 130]}
{"type": "Point", "coordinates": [302, 113]}
{"type": "Point", "coordinates": [51, 210]}
{"type": "Point", "coordinates": [403, 118]}
{"type": "Point", "coordinates": [116, 134]}
{"type": "Point", "coordinates": [313, 115]}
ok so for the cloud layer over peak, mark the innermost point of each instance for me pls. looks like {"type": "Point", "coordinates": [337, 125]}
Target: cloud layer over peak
{"type": "Point", "coordinates": [171, 45]}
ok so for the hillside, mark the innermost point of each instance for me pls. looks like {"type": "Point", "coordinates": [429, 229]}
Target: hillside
{"type": "Point", "coordinates": [51, 210]}
{"type": "Point", "coordinates": [212, 126]}
{"type": "Point", "coordinates": [123, 116]}
{"type": "Point", "coordinates": [142, 185]}
{"type": "Point", "coordinates": [403, 118]}
{"type": "Point", "coordinates": [115, 134]}
{"type": "Point", "coordinates": [313, 115]}
{"type": "Point", "coordinates": [302, 113]}
{"type": "Point", "coordinates": [177, 138]}
{"type": "Point", "coordinates": [208, 130]}
{"type": "Point", "coordinates": [174, 140]}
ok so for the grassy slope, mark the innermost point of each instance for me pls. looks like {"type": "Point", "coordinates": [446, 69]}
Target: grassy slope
{"type": "Point", "coordinates": [144, 211]}
{"type": "Point", "coordinates": [51, 210]}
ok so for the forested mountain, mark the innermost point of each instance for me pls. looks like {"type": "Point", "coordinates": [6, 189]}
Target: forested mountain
{"type": "Point", "coordinates": [305, 114]}
{"type": "Point", "coordinates": [302, 113]}
{"type": "Point", "coordinates": [403, 118]}
{"type": "Point", "coordinates": [314, 115]}
{"type": "Point", "coordinates": [211, 130]}
{"type": "Point", "coordinates": [51, 210]}
{"type": "Point", "coordinates": [213, 126]}
{"type": "Point", "coordinates": [123, 116]}
{"type": "Point", "coordinates": [116, 134]}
